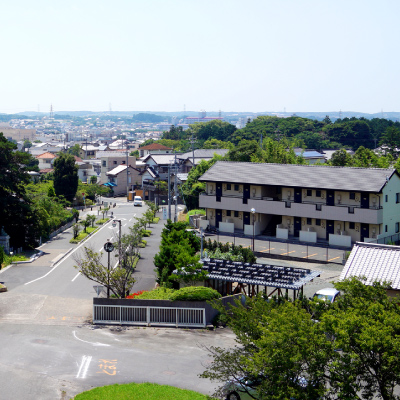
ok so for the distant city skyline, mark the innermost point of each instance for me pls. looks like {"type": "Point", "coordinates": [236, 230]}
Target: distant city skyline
{"type": "Point", "coordinates": [258, 56]}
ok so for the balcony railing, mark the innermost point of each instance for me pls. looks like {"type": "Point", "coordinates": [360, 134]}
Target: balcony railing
{"type": "Point", "coordinates": [318, 204]}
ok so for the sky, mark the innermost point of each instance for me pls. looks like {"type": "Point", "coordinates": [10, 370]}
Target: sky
{"type": "Point", "coordinates": [229, 55]}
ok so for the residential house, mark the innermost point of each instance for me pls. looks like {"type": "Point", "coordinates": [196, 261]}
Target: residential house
{"type": "Point", "coordinates": [312, 203]}
{"type": "Point", "coordinates": [110, 160]}
{"type": "Point", "coordinates": [374, 263]}
{"type": "Point", "coordinates": [120, 180]}
{"type": "Point", "coordinates": [193, 158]}
{"type": "Point", "coordinates": [154, 148]}
{"type": "Point", "coordinates": [46, 161]}
{"type": "Point", "coordinates": [160, 163]}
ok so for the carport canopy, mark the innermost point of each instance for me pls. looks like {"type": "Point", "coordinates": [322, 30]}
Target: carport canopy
{"type": "Point", "coordinates": [275, 276]}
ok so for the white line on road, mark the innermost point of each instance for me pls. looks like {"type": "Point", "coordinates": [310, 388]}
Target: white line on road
{"type": "Point", "coordinates": [76, 276]}
{"type": "Point", "coordinates": [92, 343]}
{"type": "Point", "coordinates": [84, 367]}
{"type": "Point", "coordinates": [124, 225]}
{"type": "Point", "coordinates": [61, 261]}
{"type": "Point", "coordinates": [115, 266]}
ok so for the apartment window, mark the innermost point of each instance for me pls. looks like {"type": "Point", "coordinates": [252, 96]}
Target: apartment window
{"type": "Point", "coordinates": [385, 228]}
{"type": "Point", "coordinates": [309, 221]}
{"type": "Point", "coordinates": [397, 197]}
{"type": "Point", "coordinates": [228, 186]}
{"type": "Point", "coordinates": [123, 162]}
{"type": "Point", "coordinates": [236, 214]}
{"type": "Point", "coordinates": [397, 227]}
{"type": "Point", "coordinates": [352, 225]}
{"type": "Point", "coordinates": [236, 188]}
{"type": "Point", "coordinates": [114, 162]}
{"type": "Point", "coordinates": [318, 222]}
{"type": "Point", "coordinates": [309, 192]}
{"type": "Point", "coordinates": [318, 193]}
{"type": "Point", "coordinates": [228, 213]}
{"type": "Point", "coordinates": [104, 163]}
{"type": "Point", "coordinates": [386, 198]}
{"type": "Point", "coordinates": [352, 196]}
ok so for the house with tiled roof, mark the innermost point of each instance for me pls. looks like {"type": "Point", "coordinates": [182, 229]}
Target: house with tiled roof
{"type": "Point", "coordinates": [309, 203]}
{"type": "Point", "coordinates": [46, 161]}
{"type": "Point", "coordinates": [120, 180]}
{"type": "Point", "coordinates": [154, 148]}
{"type": "Point", "coordinates": [374, 263]}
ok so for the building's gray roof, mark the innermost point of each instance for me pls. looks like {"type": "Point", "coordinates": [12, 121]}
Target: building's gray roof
{"type": "Point", "coordinates": [161, 159]}
{"type": "Point", "coordinates": [375, 262]}
{"type": "Point", "coordinates": [305, 176]}
{"type": "Point", "coordinates": [115, 153]}
{"type": "Point", "coordinates": [203, 153]}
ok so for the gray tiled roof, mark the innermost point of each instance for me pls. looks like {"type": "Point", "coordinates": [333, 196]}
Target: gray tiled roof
{"type": "Point", "coordinates": [305, 176]}
{"type": "Point", "coordinates": [203, 153]}
{"type": "Point", "coordinates": [375, 262]}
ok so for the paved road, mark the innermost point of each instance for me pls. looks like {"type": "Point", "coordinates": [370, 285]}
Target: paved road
{"type": "Point", "coordinates": [50, 350]}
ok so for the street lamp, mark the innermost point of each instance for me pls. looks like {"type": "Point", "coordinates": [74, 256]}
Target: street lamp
{"type": "Point", "coordinates": [175, 202]}
{"type": "Point", "coordinates": [253, 211]}
{"type": "Point", "coordinates": [114, 224]}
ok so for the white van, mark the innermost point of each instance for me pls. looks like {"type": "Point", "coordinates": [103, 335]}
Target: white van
{"type": "Point", "coordinates": [137, 201]}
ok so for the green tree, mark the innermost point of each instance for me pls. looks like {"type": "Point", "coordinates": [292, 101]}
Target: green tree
{"type": "Point", "coordinates": [116, 280]}
{"type": "Point", "coordinates": [134, 153]}
{"type": "Point", "coordinates": [16, 213]}
{"type": "Point", "coordinates": [391, 140]}
{"type": "Point", "coordinates": [75, 150]}
{"type": "Point", "coordinates": [65, 176]}
{"type": "Point", "coordinates": [245, 151]}
{"type": "Point", "coordinates": [217, 144]}
{"type": "Point", "coordinates": [341, 158]}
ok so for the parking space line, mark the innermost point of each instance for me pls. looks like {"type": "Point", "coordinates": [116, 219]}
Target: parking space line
{"type": "Point", "coordinates": [293, 251]}
{"type": "Point", "coordinates": [311, 255]}
{"type": "Point", "coordinates": [263, 251]}
{"type": "Point", "coordinates": [333, 258]}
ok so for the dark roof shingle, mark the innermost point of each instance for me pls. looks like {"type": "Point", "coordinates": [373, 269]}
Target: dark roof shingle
{"type": "Point", "coordinates": [293, 175]}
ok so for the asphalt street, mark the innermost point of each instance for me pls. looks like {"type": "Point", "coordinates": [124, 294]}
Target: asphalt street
{"type": "Point", "coordinates": [51, 351]}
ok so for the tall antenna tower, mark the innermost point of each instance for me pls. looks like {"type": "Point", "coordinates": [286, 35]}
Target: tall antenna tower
{"type": "Point", "coordinates": [220, 114]}
{"type": "Point", "coordinates": [382, 112]}
{"type": "Point", "coordinates": [51, 112]}
{"type": "Point", "coordinates": [340, 114]}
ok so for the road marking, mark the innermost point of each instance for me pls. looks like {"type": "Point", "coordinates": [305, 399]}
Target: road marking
{"type": "Point", "coordinates": [333, 258]}
{"type": "Point", "coordinates": [69, 253]}
{"type": "Point", "coordinates": [263, 251]}
{"type": "Point", "coordinates": [84, 367]}
{"type": "Point", "coordinates": [311, 255]}
{"type": "Point", "coordinates": [293, 251]}
{"type": "Point", "coordinates": [115, 266]}
{"type": "Point", "coordinates": [124, 225]}
{"type": "Point", "coordinates": [92, 343]}
{"type": "Point", "coordinates": [76, 276]}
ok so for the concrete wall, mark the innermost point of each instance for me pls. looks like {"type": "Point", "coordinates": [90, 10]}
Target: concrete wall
{"type": "Point", "coordinates": [391, 209]}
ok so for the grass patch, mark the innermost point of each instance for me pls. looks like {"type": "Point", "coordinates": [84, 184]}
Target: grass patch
{"type": "Point", "coordinates": [155, 220]}
{"type": "Point", "coordinates": [3, 288]}
{"type": "Point", "coordinates": [102, 221]}
{"type": "Point", "coordinates": [142, 391]}
{"type": "Point", "coordinates": [17, 257]}
{"type": "Point", "coordinates": [194, 212]}
{"type": "Point", "coordinates": [82, 235]}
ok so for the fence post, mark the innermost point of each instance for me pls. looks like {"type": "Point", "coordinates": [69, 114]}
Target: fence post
{"type": "Point", "coordinates": [148, 315]}
{"type": "Point", "coordinates": [176, 317]}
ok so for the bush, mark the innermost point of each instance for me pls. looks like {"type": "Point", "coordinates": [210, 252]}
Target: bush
{"type": "Point", "coordinates": [146, 232]}
{"type": "Point", "coordinates": [160, 293]}
{"type": "Point", "coordinates": [195, 293]}
{"type": "Point", "coordinates": [155, 220]}
{"type": "Point", "coordinates": [102, 221]}
{"type": "Point", "coordinates": [143, 244]}
{"type": "Point", "coordinates": [195, 212]}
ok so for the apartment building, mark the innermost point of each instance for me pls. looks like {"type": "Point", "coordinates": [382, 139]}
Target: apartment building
{"type": "Point", "coordinates": [312, 203]}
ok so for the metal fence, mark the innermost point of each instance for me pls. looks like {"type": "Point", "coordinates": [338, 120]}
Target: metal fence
{"type": "Point", "coordinates": [285, 249]}
{"type": "Point", "coordinates": [149, 315]}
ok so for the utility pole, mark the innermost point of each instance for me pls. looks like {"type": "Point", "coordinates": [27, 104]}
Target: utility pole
{"type": "Point", "coordinates": [169, 192]}
{"type": "Point", "coordinates": [175, 187]}
{"type": "Point", "coordinates": [127, 173]}
{"type": "Point", "coordinates": [119, 240]}
{"type": "Point", "coordinates": [192, 141]}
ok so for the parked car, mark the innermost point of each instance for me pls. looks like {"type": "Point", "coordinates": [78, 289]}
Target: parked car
{"type": "Point", "coordinates": [328, 294]}
{"type": "Point", "coordinates": [137, 201]}
{"type": "Point", "coordinates": [245, 388]}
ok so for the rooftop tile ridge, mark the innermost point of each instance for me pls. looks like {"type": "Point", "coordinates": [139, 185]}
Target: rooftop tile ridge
{"type": "Point", "coordinates": [376, 246]}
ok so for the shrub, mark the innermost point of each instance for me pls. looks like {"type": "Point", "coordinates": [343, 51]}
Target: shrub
{"type": "Point", "coordinates": [195, 293]}
{"type": "Point", "coordinates": [146, 232]}
{"type": "Point", "coordinates": [160, 293]}
{"type": "Point", "coordinates": [143, 243]}
{"type": "Point", "coordinates": [102, 221]}
{"type": "Point", "coordinates": [195, 212]}
{"type": "Point", "coordinates": [155, 220]}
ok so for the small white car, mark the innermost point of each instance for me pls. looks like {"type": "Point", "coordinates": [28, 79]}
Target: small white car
{"type": "Point", "coordinates": [328, 294]}
{"type": "Point", "coordinates": [137, 201]}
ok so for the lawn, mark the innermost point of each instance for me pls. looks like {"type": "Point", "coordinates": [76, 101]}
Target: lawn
{"type": "Point", "coordinates": [82, 235]}
{"type": "Point", "coordinates": [142, 391]}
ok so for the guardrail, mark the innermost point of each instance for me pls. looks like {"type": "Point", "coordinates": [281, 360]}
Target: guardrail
{"type": "Point", "coordinates": [149, 316]}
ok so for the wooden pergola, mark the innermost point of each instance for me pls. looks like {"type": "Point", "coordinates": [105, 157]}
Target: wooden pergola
{"type": "Point", "coordinates": [232, 277]}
